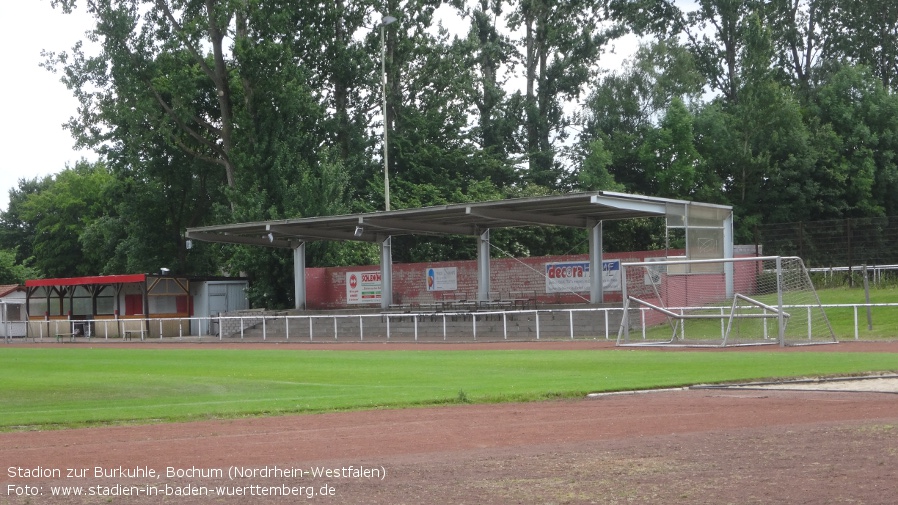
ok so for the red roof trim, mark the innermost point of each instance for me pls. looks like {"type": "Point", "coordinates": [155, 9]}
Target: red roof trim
{"type": "Point", "coordinates": [80, 281]}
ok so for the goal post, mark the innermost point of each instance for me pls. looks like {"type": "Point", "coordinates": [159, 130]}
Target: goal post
{"type": "Point", "coordinates": [721, 302]}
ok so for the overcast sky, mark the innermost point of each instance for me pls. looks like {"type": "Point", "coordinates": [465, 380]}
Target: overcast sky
{"type": "Point", "coordinates": [35, 104]}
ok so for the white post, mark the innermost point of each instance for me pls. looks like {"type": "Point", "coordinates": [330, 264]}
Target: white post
{"type": "Point", "coordinates": [605, 315]}
{"type": "Point", "coordinates": [809, 324]}
{"type": "Point", "coordinates": [625, 316]}
{"type": "Point", "coordinates": [779, 298]}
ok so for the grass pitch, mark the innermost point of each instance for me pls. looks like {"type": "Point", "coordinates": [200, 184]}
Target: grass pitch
{"type": "Point", "coordinates": [46, 387]}
{"type": "Point", "coordinates": [883, 322]}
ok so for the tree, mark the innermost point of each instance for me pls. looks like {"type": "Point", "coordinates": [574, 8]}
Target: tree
{"type": "Point", "coordinates": [865, 33]}
{"type": "Point", "coordinates": [487, 50]}
{"type": "Point", "coordinates": [758, 149]}
{"type": "Point", "coordinates": [858, 118]}
{"type": "Point", "coordinates": [76, 198]}
{"type": "Point", "coordinates": [799, 37]}
{"type": "Point", "coordinates": [157, 57]}
{"type": "Point", "coordinates": [593, 173]}
{"type": "Point", "coordinates": [615, 116]}
{"type": "Point", "coordinates": [562, 43]}
{"type": "Point", "coordinates": [622, 110]}
{"type": "Point", "coordinates": [716, 32]}
{"type": "Point", "coordinates": [671, 161]}
{"type": "Point", "coordinates": [214, 80]}
{"type": "Point", "coordinates": [156, 200]}
{"type": "Point", "coordinates": [16, 233]}
{"type": "Point", "coordinates": [216, 111]}
{"type": "Point", "coordinates": [12, 272]}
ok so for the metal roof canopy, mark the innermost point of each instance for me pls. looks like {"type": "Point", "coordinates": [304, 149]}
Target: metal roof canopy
{"type": "Point", "coordinates": [578, 210]}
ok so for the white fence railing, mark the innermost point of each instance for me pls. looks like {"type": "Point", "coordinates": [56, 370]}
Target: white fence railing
{"type": "Point", "coordinates": [857, 321]}
{"type": "Point", "coordinates": [493, 325]}
{"type": "Point", "coordinates": [568, 323]}
{"type": "Point", "coordinates": [876, 272]}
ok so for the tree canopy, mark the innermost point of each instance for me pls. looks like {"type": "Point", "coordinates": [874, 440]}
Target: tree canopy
{"type": "Point", "coordinates": [221, 111]}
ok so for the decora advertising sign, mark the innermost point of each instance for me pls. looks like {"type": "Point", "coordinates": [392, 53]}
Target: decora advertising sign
{"type": "Point", "coordinates": [442, 279]}
{"type": "Point", "coordinates": [573, 276]}
{"type": "Point", "coordinates": [363, 287]}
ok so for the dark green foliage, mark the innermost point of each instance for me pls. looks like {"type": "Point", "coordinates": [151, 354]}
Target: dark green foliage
{"type": "Point", "coordinates": [211, 112]}
{"type": "Point", "coordinates": [12, 272]}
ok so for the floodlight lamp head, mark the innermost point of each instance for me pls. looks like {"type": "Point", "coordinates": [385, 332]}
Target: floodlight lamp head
{"type": "Point", "coordinates": [164, 271]}
{"type": "Point", "coordinates": [358, 231]}
{"type": "Point", "coordinates": [387, 20]}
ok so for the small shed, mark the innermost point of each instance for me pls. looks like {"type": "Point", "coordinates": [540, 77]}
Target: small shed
{"type": "Point", "coordinates": [13, 319]}
{"type": "Point", "coordinates": [212, 298]}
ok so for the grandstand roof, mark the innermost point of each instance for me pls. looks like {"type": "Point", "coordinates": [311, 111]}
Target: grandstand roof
{"type": "Point", "coordinates": [578, 210]}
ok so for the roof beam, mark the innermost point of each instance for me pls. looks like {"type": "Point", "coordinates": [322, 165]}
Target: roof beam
{"type": "Point", "coordinates": [527, 218]}
{"type": "Point", "coordinates": [226, 238]}
{"type": "Point", "coordinates": [416, 226]}
{"type": "Point", "coordinates": [613, 200]}
{"type": "Point", "coordinates": [305, 233]}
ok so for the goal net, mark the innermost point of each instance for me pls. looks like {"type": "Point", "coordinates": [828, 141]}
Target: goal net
{"type": "Point", "coordinates": [721, 302]}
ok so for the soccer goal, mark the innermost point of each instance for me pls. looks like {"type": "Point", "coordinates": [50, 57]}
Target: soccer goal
{"type": "Point", "coordinates": [721, 302]}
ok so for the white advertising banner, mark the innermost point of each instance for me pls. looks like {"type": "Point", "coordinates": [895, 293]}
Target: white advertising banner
{"type": "Point", "coordinates": [611, 275]}
{"type": "Point", "coordinates": [573, 276]}
{"type": "Point", "coordinates": [442, 279]}
{"type": "Point", "coordinates": [363, 287]}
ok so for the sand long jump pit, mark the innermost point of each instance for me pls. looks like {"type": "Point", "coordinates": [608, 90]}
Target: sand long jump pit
{"type": "Point", "coordinates": [859, 384]}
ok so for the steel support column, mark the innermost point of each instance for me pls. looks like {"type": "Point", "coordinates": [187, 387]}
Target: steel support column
{"type": "Point", "coordinates": [596, 274]}
{"type": "Point", "coordinates": [483, 266]}
{"type": "Point", "coordinates": [728, 253]}
{"type": "Point", "coordinates": [299, 275]}
{"type": "Point", "coordinates": [386, 272]}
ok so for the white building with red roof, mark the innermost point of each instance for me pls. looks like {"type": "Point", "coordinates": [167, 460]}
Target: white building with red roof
{"type": "Point", "coordinates": [12, 311]}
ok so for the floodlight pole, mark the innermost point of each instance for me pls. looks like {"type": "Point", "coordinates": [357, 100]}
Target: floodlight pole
{"type": "Point", "coordinates": [383, 67]}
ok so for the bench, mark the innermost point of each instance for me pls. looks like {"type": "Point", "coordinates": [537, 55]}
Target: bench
{"type": "Point", "coordinates": [60, 336]}
{"type": "Point", "coordinates": [129, 334]}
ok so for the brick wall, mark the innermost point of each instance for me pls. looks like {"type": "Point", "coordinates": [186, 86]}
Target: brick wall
{"type": "Point", "coordinates": [510, 278]}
